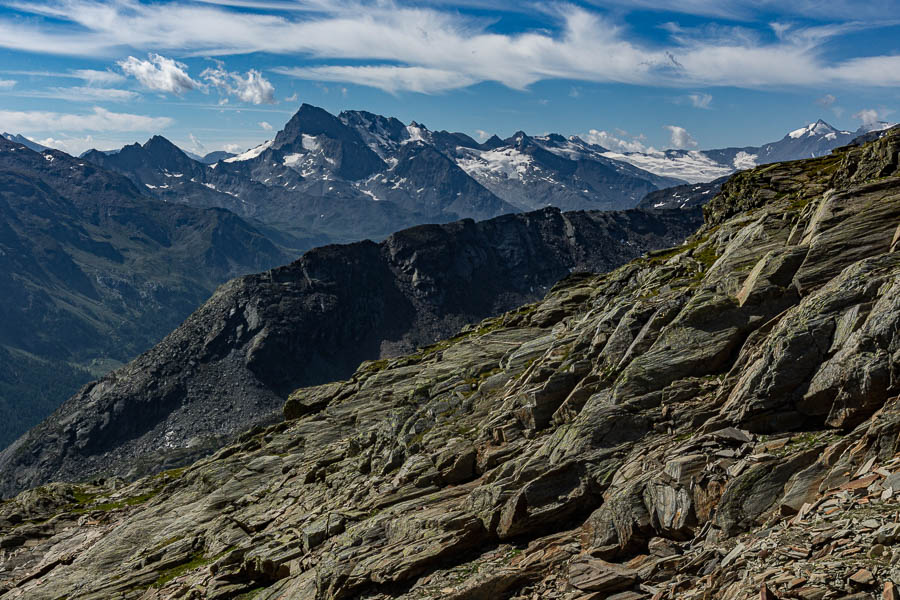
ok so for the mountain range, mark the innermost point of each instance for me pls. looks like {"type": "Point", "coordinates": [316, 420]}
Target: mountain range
{"type": "Point", "coordinates": [93, 272]}
{"type": "Point", "coordinates": [698, 166]}
{"type": "Point", "coordinates": [718, 419]}
{"type": "Point", "coordinates": [359, 175]}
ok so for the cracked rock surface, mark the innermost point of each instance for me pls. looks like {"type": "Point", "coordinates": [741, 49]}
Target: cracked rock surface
{"type": "Point", "coordinates": [720, 420]}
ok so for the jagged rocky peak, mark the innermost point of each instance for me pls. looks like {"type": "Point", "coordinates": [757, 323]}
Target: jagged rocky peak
{"type": "Point", "coordinates": [315, 130]}
{"type": "Point", "coordinates": [716, 420]}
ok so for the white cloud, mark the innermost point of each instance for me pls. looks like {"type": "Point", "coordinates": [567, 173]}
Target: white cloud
{"type": "Point", "coordinates": [265, 125]}
{"type": "Point", "coordinates": [198, 147]}
{"type": "Point", "coordinates": [82, 94]}
{"type": "Point", "coordinates": [252, 88]}
{"type": "Point", "coordinates": [391, 79]}
{"type": "Point", "coordinates": [159, 74]}
{"type": "Point", "coordinates": [73, 146]}
{"type": "Point", "coordinates": [426, 48]}
{"type": "Point", "coordinates": [291, 98]}
{"type": "Point", "coordinates": [94, 77]}
{"type": "Point", "coordinates": [872, 116]}
{"type": "Point", "coordinates": [616, 143]}
{"type": "Point", "coordinates": [233, 148]}
{"type": "Point", "coordinates": [826, 100]}
{"type": "Point", "coordinates": [99, 119]}
{"type": "Point", "coordinates": [482, 135]}
{"type": "Point", "coordinates": [7, 84]}
{"type": "Point", "coordinates": [700, 100]}
{"type": "Point", "coordinates": [680, 138]}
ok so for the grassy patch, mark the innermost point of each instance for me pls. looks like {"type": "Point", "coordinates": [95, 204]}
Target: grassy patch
{"type": "Point", "coordinates": [197, 560]}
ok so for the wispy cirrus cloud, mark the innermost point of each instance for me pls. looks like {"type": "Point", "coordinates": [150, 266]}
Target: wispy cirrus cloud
{"type": "Point", "coordinates": [7, 84]}
{"type": "Point", "coordinates": [99, 119]}
{"type": "Point", "coordinates": [425, 48]}
{"type": "Point", "coordinates": [389, 78]}
{"type": "Point", "coordinates": [81, 94]}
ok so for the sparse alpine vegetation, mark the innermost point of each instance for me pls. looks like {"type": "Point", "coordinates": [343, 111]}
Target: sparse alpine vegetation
{"type": "Point", "coordinates": [717, 421]}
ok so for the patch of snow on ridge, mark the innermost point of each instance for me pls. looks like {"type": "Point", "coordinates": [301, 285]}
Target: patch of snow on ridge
{"type": "Point", "coordinates": [693, 166]}
{"type": "Point", "coordinates": [309, 142]}
{"type": "Point", "coordinates": [292, 160]}
{"type": "Point", "coordinates": [250, 154]}
{"type": "Point", "coordinates": [508, 163]}
{"type": "Point", "coordinates": [416, 133]}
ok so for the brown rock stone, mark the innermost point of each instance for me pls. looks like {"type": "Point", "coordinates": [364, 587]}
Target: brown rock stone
{"type": "Point", "coordinates": [890, 591]}
{"type": "Point", "coordinates": [766, 594]}
{"type": "Point", "coordinates": [862, 577]}
{"type": "Point", "coordinates": [595, 575]}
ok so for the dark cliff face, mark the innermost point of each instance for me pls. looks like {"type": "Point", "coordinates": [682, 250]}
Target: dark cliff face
{"type": "Point", "coordinates": [235, 359]}
{"type": "Point", "coordinates": [92, 270]}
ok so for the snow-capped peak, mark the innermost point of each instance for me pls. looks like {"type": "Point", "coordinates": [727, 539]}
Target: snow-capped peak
{"type": "Point", "coordinates": [820, 127]}
{"type": "Point", "coordinates": [249, 154]}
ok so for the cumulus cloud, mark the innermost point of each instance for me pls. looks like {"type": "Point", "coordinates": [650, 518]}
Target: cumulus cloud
{"type": "Point", "coordinates": [233, 148]}
{"type": "Point", "coordinates": [291, 98]}
{"type": "Point", "coordinates": [680, 138]}
{"type": "Point", "coordinates": [159, 73]}
{"type": "Point", "coordinates": [868, 116]}
{"type": "Point", "coordinates": [252, 88]}
{"type": "Point", "coordinates": [7, 84]}
{"type": "Point", "coordinates": [616, 143]}
{"type": "Point", "coordinates": [482, 135]}
{"type": "Point", "coordinates": [99, 119]}
{"type": "Point", "coordinates": [398, 46]}
{"type": "Point", "coordinates": [265, 125]}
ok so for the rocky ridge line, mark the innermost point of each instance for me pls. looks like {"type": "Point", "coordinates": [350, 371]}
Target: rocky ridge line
{"type": "Point", "coordinates": [234, 361]}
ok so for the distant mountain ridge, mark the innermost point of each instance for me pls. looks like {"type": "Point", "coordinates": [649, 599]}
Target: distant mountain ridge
{"type": "Point", "coordinates": [696, 166]}
{"type": "Point", "coordinates": [358, 175]}
{"type": "Point", "coordinates": [21, 139]}
{"type": "Point", "coordinates": [93, 271]}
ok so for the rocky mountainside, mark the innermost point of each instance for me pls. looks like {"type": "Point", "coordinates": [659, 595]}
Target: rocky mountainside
{"type": "Point", "coordinates": [358, 175]}
{"type": "Point", "coordinates": [695, 166]}
{"type": "Point", "coordinates": [21, 139]}
{"type": "Point", "coordinates": [687, 196]}
{"type": "Point", "coordinates": [92, 273]}
{"type": "Point", "coordinates": [235, 360]}
{"type": "Point", "coordinates": [719, 420]}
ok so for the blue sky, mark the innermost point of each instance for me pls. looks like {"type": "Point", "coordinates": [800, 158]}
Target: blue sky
{"type": "Point", "coordinates": [629, 74]}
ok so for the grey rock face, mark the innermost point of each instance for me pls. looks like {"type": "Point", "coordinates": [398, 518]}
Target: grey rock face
{"type": "Point", "coordinates": [762, 464]}
{"type": "Point", "coordinates": [235, 360]}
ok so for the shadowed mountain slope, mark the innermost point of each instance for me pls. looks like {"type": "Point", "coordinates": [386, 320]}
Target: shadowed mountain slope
{"type": "Point", "coordinates": [232, 363]}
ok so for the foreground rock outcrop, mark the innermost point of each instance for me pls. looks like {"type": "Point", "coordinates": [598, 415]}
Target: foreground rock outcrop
{"type": "Point", "coordinates": [235, 360]}
{"type": "Point", "coordinates": [719, 420]}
